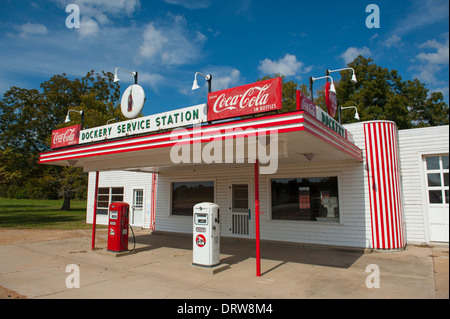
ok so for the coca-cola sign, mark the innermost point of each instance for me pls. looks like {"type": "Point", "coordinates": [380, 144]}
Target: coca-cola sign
{"type": "Point", "coordinates": [305, 104]}
{"type": "Point", "coordinates": [330, 100]}
{"type": "Point", "coordinates": [66, 136]}
{"type": "Point", "coordinates": [248, 99]}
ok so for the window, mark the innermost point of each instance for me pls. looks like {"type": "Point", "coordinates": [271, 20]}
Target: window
{"type": "Point", "coordinates": [437, 179]}
{"type": "Point", "coordinates": [313, 198]}
{"type": "Point", "coordinates": [106, 196]}
{"type": "Point", "coordinates": [138, 198]}
{"type": "Point", "coordinates": [185, 195]}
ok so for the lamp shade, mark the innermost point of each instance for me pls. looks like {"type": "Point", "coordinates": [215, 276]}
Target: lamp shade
{"type": "Point", "coordinates": [332, 88]}
{"type": "Point", "coordinates": [354, 78]}
{"type": "Point", "coordinates": [195, 85]}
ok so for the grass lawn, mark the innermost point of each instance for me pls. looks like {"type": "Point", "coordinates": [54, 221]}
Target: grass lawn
{"type": "Point", "coordinates": [42, 214]}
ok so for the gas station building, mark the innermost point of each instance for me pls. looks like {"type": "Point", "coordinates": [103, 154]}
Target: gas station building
{"type": "Point", "coordinates": [365, 185]}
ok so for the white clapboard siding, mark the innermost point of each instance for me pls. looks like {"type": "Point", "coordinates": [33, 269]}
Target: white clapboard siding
{"type": "Point", "coordinates": [127, 180]}
{"type": "Point", "coordinates": [352, 231]}
{"type": "Point", "coordinates": [414, 145]}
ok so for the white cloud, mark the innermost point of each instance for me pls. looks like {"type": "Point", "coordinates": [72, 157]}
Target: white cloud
{"type": "Point", "coordinates": [423, 13]}
{"type": "Point", "coordinates": [31, 29]}
{"type": "Point", "coordinates": [352, 53]}
{"type": "Point", "coordinates": [88, 27]}
{"type": "Point", "coordinates": [224, 77]}
{"type": "Point", "coordinates": [190, 4]}
{"type": "Point", "coordinates": [154, 80]}
{"type": "Point", "coordinates": [440, 56]}
{"type": "Point", "coordinates": [393, 41]}
{"type": "Point", "coordinates": [287, 66]}
{"type": "Point", "coordinates": [426, 73]}
{"type": "Point", "coordinates": [154, 40]}
{"type": "Point", "coordinates": [432, 62]}
{"type": "Point", "coordinates": [172, 43]}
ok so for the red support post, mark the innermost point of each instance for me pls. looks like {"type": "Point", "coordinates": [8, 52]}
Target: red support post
{"type": "Point", "coordinates": [94, 222]}
{"type": "Point", "coordinates": [257, 235]}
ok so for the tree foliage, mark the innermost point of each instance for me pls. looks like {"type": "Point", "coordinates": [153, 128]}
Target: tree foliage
{"type": "Point", "coordinates": [379, 94]}
{"type": "Point", "coordinates": [27, 119]}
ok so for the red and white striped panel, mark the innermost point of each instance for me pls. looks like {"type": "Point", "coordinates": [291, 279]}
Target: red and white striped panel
{"type": "Point", "coordinates": [383, 168]}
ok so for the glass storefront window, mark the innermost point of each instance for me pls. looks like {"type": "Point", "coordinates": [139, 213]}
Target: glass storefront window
{"type": "Point", "coordinates": [312, 198]}
{"type": "Point", "coordinates": [185, 195]}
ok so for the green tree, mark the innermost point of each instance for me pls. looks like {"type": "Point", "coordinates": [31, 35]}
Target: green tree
{"type": "Point", "coordinates": [27, 118]}
{"type": "Point", "coordinates": [381, 94]}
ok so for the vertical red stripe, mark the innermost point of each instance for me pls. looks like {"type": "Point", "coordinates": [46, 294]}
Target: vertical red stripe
{"type": "Point", "coordinates": [400, 202]}
{"type": "Point", "coordinates": [384, 181]}
{"type": "Point", "coordinates": [153, 203]}
{"type": "Point", "coordinates": [94, 217]}
{"type": "Point", "coordinates": [369, 178]}
{"type": "Point", "coordinates": [395, 170]}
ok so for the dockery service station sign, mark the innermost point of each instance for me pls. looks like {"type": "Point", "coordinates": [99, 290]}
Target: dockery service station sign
{"type": "Point", "coordinates": [162, 121]}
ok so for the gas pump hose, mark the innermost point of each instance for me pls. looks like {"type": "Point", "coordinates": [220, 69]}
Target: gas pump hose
{"type": "Point", "coordinates": [134, 239]}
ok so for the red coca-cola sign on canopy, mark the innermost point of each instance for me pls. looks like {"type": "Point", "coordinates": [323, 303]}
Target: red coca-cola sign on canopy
{"type": "Point", "coordinates": [248, 99]}
{"type": "Point", "coordinates": [66, 136]}
{"type": "Point", "coordinates": [330, 100]}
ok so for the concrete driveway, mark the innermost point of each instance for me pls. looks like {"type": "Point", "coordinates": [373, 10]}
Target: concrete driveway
{"type": "Point", "coordinates": [161, 268]}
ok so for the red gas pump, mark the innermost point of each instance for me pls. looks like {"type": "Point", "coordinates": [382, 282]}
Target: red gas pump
{"type": "Point", "coordinates": [118, 227]}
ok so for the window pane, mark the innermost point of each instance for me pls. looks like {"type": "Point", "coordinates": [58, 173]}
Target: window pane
{"type": "Point", "coordinates": [445, 162]}
{"type": "Point", "coordinates": [117, 190]}
{"type": "Point", "coordinates": [435, 197]}
{"type": "Point", "coordinates": [103, 190]}
{"type": "Point", "coordinates": [305, 198]}
{"type": "Point", "coordinates": [103, 197]}
{"type": "Point", "coordinates": [103, 204]}
{"type": "Point", "coordinates": [102, 211]}
{"type": "Point", "coordinates": [117, 198]}
{"type": "Point", "coordinates": [185, 195]}
{"type": "Point", "coordinates": [433, 162]}
{"type": "Point", "coordinates": [138, 198]}
{"type": "Point", "coordinates": [445, 179]}
{"type": "Point", "coordinates": [240, 198]}
{"type": "Point", "coordinates": [434, 179]}
{"type": "Point", "coordinates": [446, 196]}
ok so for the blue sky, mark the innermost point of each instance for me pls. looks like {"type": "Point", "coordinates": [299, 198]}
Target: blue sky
{"type": "Point", "coordinates": [236, 41]}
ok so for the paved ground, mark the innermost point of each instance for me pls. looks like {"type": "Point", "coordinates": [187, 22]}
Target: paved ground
{"type": "Point", "coordinates": [33, 265]}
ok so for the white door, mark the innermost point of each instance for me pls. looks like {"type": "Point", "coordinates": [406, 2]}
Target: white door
{"type": "Point", "coordinates": [241, 214]}
{"type": "Point", "coordinates": [437, 168]}
{"type": "Point", "coordinates": [137, 209]}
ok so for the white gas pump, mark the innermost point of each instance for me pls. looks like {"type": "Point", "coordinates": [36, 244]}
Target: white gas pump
{"type": "Point", "coordinates": [206, 235]}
